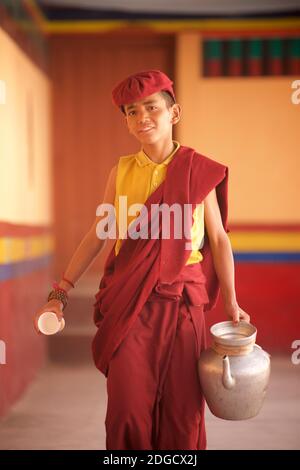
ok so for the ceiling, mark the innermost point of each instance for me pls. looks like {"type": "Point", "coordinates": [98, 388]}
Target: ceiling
{"type": "Point", "coordinates": [176, 7]}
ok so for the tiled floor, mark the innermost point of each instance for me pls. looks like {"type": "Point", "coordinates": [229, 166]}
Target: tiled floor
{"type": "Point", "coordinates": [65, 409]}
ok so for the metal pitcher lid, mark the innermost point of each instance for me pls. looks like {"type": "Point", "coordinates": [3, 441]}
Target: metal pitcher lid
{"type": "Point", "coordinates": [228, 334]}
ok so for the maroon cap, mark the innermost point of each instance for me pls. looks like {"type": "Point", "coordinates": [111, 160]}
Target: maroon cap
{"type": "Point", "coordinates": [139, 85]}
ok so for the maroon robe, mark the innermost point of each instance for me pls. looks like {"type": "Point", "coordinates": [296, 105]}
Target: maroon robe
{"type": "Point", "coordinates": [154, 397]}
{"type": "Point", "coordinates": [144, 265]}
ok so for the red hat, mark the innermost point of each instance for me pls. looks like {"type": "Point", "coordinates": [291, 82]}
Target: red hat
{"type": "Point", "coordinates": [142, 84]}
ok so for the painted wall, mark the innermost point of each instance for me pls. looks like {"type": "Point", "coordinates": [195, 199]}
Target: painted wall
{"type": "Point", "coordinates": [89, 133]}
{"type": "Point", "coordinates": [251, 125]}
{"type": "Point", "coordinates": [26, 242]}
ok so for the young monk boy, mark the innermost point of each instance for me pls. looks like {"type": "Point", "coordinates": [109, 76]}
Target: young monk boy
{"type": "Point", "coordinates": [157, 283]}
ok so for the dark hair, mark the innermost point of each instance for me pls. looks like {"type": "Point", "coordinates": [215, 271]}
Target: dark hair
{"type": "Point", "coordinates": [166, 96]}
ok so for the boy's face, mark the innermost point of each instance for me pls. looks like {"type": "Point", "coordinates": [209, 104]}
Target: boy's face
{"type": "Point", "coordinates": [150, 120]}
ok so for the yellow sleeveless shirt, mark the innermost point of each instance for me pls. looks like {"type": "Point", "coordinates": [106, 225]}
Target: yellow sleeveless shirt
{"type": "Point", "coordinates": [137, 177]}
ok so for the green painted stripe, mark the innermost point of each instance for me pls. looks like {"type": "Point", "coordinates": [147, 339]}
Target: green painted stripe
{"type": "Point", "coordinates": [235, 48]}
{"type": "Point", "coordinates": [275, 48]}
{"type": "Point", "coordinates": [213, 49]}
{"type": "Point", "coordinates": [294, 47]}
{"type": "Point", "coordinates": [255, 48]}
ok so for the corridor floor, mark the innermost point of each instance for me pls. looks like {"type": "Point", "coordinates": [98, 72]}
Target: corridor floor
{"type": "Point", "coordinates": [64, 408]}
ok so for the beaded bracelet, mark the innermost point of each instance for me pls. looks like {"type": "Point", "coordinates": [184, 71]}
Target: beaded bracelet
{"type": "Point", "coordinates": [56, 287]}
{"type": "Point", "coordinates": [58, 295]}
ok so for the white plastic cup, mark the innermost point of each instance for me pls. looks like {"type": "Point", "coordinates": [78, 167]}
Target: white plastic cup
{"type": "Point", "coordinates": [49, 324]}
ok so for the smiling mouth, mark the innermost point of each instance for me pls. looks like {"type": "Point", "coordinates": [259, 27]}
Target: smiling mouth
{"type": "Point", "coordinates": [145, 130]}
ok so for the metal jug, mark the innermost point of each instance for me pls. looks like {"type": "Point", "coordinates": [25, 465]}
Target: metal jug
{"type": "Point", "coordinates": [234, 373]}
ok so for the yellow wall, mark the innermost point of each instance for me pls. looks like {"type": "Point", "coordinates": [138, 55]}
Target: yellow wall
{"type": "Point", "coordinates": [251, 125]}
{"type": "Point", "coordinates": [25, 166]}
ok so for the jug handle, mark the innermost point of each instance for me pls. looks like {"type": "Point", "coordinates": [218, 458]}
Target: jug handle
{"type": "Point", "coordinates": [227, 380]}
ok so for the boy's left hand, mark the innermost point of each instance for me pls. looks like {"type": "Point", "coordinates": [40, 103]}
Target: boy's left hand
{"type": "Point", "coordinates": [236, 313]}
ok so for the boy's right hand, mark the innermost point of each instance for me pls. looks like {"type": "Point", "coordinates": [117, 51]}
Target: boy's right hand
{"type": "Point", "coordinates": [53, 305]}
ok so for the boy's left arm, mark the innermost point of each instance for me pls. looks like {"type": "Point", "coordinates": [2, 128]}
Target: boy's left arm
{"type": "Point", "coordinates": [223, 257]}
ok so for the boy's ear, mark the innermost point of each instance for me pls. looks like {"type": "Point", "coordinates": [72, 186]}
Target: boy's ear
{"type": "Point", "coordinates": [176, 113]}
